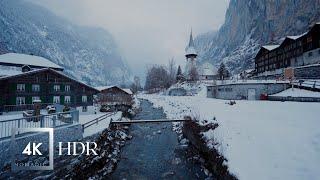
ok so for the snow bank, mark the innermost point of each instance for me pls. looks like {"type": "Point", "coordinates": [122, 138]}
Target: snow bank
{"type": "Point", "coordinates": [260, 139]}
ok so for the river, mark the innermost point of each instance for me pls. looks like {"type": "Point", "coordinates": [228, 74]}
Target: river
{"type": "Point", "coordinates": [154, 151]}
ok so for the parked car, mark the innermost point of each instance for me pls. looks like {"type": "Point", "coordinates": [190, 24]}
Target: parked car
{"type": "Point", "coordinates": [65, 117]}
{"type": "Point", "coordinates": [51, 109]}
{"type": "Point", "coordinates": [66, 109]}
{"type": "Point", "coordinates": [27, 114]}
{"type": "Point", "coordinates": [105, 109]}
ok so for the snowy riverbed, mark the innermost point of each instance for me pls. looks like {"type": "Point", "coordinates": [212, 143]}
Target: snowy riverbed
{"type": "Point", "coordinates": [260, 139]}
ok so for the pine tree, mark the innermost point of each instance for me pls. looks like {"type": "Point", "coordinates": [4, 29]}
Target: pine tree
{"type": "Point", "coordinates": [223, 72]}
{"type": "Point", "coordinates": [179, 76]}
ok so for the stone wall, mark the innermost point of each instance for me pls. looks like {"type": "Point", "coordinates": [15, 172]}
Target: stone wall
{"type": "Point", "coordinates": [240, 91]}
{"type": "Point", "coordinates": [61, 134]}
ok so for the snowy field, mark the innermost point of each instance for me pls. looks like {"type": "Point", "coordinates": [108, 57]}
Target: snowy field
{"type": "Point", "coordinates": [260, 139]}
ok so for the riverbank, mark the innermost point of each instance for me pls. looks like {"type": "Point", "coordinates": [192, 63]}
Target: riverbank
{"type": "Point", "coordinates": [258, 139]}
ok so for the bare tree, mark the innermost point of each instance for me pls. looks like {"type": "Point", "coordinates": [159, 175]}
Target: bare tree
{"type": "Point", "coordinates": [136, 86]}
{"type": "Point", "coordinates": [172, 71]}
{"type": "Point", "coordinates": [157, 78]}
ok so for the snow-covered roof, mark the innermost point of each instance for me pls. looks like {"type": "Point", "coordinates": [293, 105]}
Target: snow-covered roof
{"type": "Point", "coordinates": [208, 69]}
{"type": "Point", "coordinates": [24, 59]}
{"type": "Point", "coordinates": [271, 47]}
{"type": "Point", "coordinates": [9, 71]}
{"type": "Point", "coordinates": [297, 36]}
{"type": "Point", "coordinates": [128, 91]}
{"type": "Point", "coordinates": [191, 50]}
{"type": "Point", "coordinates": [100, 88]}
{"type": "Point", "coordinates": [22, 73]}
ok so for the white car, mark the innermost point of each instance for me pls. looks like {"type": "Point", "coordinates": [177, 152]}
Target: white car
{"type": "Point", "coordinates": [51, 109]}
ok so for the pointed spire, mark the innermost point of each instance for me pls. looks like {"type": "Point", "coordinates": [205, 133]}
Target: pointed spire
{"type": "Point", "coordinates": [191, 43]}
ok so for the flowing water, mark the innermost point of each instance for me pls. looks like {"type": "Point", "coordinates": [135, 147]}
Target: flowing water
{"type": "Point", "coordinates": [154, 151]}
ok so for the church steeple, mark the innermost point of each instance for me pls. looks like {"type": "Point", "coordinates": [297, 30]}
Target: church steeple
{"type": "Point", "coordinates": [191, 43]}
{"type": "Point", "coordinates": [190, 49]}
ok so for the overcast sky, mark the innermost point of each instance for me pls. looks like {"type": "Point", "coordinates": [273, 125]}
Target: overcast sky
{"type": "Point", "coordinates": [146, 31]}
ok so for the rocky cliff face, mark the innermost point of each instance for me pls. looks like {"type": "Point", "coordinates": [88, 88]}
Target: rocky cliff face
{"type": "Point", "coordinates": [250, 24]}
{"type": "Point", "coordinates": [88, 54]}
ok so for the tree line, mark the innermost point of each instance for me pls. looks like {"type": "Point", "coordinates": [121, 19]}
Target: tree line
{"type": "Point", "coordinates": [162, 77]}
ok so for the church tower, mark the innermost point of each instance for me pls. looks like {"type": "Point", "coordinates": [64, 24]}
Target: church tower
{"type": "Point", "coordinates": [191, 56]}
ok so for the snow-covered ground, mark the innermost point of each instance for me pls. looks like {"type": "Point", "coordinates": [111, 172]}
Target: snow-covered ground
{"type": "Point", "coordinates": [295, 92]}
{"type": "Point", "coordinates": [260, 139]}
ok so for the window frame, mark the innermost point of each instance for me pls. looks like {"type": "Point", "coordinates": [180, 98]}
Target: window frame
{"type": "Point", "coordinates": [56, 98]}
{"type": "Point", "coordinates": [35, 89]}
{"type": "Point", "coordinates": [21, 87]}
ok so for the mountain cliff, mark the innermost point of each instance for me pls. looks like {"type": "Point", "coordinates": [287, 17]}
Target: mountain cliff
{"type": "Point", "coordinates": [88, 54]}
{"type": "Point", "coordinates": [250, 24]}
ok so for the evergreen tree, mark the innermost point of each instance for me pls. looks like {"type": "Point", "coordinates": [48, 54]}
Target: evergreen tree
{"type": "Point", "coordinates": [179, 76]}
{"type": "Point", "coordinates": [223, 72]}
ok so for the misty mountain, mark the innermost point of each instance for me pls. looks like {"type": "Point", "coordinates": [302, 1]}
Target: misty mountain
{"type": "Point", "coordinates": [88, 54]}
{"type": "Point", "coordinates": [250, 24]}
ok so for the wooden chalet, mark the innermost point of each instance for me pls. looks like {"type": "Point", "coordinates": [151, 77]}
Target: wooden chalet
{"type": "Point", "coordinates": [115, 97]}
{"type": "Point", "coordinates": [19, 90]}
{"type": "Point", "coordinates": [292, 52]}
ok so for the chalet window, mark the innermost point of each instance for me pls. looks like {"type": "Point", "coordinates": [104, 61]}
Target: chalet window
{"type": "Point", "coordinates": [35, 98]}
{"type": "Point", "coordinates": [35, 87]}
{"type": "Point", "coordinates": [67, 88]}
{"type": "Point", "coordinates": [20, 100]}
{"type": "Point", "coordinates": [56, 87]}
{"type": "Point", "coordinates": [56, 99]}
{"type": "Point", "coordinates": [67, 99]}
{"type": "Point", "coordinates": [21, 87]}
{"type": "Point", "coordinates": [84, 99]}
{"type": "Point", "coordinates": [310, 54]}
{"type": "Point", "coordinates": [319, 51]}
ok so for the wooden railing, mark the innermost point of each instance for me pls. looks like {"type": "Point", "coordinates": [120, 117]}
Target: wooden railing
{"type": "Point", "coordinates": [97, 120]}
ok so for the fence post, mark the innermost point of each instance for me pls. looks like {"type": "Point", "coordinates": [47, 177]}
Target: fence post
{"type": "Point", "coordinates": [41, 121]}
{"type": "Point", "coordinates": [19, 125]}
{"type": "Point", "coordinates": [54, 118]}
{"type": "Point", "coordinates": [76, 116]}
